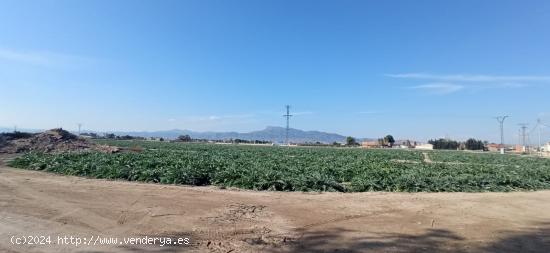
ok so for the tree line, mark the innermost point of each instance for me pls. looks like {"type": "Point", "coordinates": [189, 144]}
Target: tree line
{"type": "Point", "coordinates": [470, 144]}
{"type": "Point", "coordinates": [187, 138]}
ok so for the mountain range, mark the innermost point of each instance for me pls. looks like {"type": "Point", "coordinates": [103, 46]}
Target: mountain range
{"type": "Point", "coordinates": [270, 133]}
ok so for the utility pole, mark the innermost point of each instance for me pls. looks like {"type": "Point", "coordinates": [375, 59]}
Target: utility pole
{"type": "Point", "coordinates": [540, 132]}
{"type": "Point", "coordinates": [287, 116]}
{"type": "Point", "coordinates": [500, 120]}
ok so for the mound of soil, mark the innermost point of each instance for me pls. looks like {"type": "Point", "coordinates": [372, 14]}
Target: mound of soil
{"type": "Point", "coordinates": [51, 141]}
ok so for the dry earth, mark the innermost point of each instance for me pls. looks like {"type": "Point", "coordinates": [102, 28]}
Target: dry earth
{"type": "Point", "coordinates": [216, 220]}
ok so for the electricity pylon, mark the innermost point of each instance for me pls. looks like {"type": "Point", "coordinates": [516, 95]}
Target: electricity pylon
{"type": "Point", "coordinates": [287, 116]}
{"type": "Point", "coordinates": [500, 120]}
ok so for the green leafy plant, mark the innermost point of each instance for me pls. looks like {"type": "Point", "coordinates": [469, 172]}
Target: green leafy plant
{"type": "Point", "coordinates": [300, 169]}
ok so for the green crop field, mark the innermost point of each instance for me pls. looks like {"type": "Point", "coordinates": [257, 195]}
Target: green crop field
{"type": "Point", "coordinates": [301, 169]}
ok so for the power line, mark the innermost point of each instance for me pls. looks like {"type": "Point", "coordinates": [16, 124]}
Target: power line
{"type": "Point", "coordinates": [500, 120]}
{"type": "Point", "coordinates": [287, 116]}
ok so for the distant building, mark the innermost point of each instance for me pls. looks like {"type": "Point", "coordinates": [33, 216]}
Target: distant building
{"type": "Point", "coordinates": [493, 147]}
{"type": "Point", "coordinates": [425, 146]}
{"type": "Point", "coordinates": [370, 144]}
{"type": "Point", "coordinates": [520, 148]}
{"type": "Point", "coordinates": [407, 144]}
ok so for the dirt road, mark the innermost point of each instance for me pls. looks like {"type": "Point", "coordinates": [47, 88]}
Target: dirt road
{"type": "Point", "coordinates": [215, 220]}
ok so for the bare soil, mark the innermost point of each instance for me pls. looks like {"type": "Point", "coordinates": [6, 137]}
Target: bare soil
{"type": "Point", "coordinates": [229, 220]}
{"type": "Point", "coordinates": [52, 141]}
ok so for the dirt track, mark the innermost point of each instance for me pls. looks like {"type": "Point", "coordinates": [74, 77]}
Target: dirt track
{"type": "Point", "coordinates": [35, 203]}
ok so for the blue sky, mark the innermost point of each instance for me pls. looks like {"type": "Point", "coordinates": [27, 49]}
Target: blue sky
{"type": "Point", "coordinates": [415, 69]}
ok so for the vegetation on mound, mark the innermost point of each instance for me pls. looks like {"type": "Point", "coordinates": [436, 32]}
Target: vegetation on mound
{"type": "Point", "coordinates": [299, 169]}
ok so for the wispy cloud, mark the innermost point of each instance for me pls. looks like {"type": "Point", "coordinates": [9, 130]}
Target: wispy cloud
{"type": "Point", "coordinates": [369, 112]}
{"type": "Point", "coordinates": [42, 58]}
{"type": "Point", "coordinates": [513, 85]}
{"type": "Point", "coordinates": [439, 88]}
{"type": "Point", "coordinates": [472, 78]}
{"type": "Point", "coordinates": [24, 57]}
{"type": "Point", "coordinates": [484, 86]}
{"type": "Point", "coordinates": [218, 118]}
{"type": "Point", "coordinates": [447, 84]}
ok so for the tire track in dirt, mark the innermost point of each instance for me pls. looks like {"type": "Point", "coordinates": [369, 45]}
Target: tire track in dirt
{"type": "Point", "coordinates": [249, 221]}
{"type": "Point", "coordinates": [426, 157]}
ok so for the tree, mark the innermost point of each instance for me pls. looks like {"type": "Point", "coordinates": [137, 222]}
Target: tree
{"type": "Point", "coordinates": [444, 144]}
{"type": "Point", "coordinates": [184, 138]}
{"type": "Point", "coordinates": [473, 144]}
{"type": "Point", "coordinates": [389, 140]}
{"type": "Point", "coordinates": [92, 135]}
{"type": "Point", "coordinates": [125, 137]}
{"type": "Point", "coordinates": [350, 141]}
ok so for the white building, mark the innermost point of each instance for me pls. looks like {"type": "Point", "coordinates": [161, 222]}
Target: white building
{"type": "Point", "coordinates": [426, 146]}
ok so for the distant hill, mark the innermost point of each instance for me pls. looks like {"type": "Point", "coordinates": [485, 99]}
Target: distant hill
{"type": "Point", "coordinates": [27, 130]}
{"type": "Point", "coordinates": [271, 133]}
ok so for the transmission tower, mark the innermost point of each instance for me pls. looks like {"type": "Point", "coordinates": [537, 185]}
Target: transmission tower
{"type": "Point", "coordinates": [540, 127]}
{"type": "Point", "coordinates": [287, 116]}
{"type": "Point", "coordinates": [523, 127]}
{"type": "Point", "coordinates": [500, 120]}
